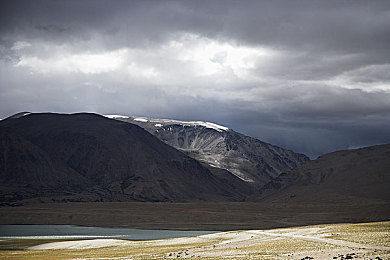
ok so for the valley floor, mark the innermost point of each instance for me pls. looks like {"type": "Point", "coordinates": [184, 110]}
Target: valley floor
{"type": "Point", "coordinates": [333, 241]}
{"type": "Point", "coordinates": [219, 216]}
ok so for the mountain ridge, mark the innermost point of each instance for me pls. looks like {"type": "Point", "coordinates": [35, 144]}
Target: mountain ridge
{"type": "Point", "coordinates": [247, 158]}
{"type": "Point", "coordinates": [121, 160]}
{"type": "Point", "coordinates": [51, 157]}
{"type": "Point", "coordinates": [354, 175]}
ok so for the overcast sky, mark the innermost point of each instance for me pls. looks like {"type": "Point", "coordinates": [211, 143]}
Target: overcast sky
{"type": "Point", "coordinates": [311, 76]}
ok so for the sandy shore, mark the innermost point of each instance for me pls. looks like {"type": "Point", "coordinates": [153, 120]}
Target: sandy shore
{"type": "Point", "coordinates": [339, 241]}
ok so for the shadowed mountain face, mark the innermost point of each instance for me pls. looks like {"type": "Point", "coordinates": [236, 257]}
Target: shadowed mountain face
{"type": "Point", "coordinates": [87, 157]}
{"type": "Point", "coordinates": [27, 171]}
{"type": "Point", "coordinates": [350, 176]}
{"type": "Point", "coordinates": [247, 158]}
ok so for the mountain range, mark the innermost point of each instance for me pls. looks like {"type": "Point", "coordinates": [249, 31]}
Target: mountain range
{"type": "Point", "coordinates": [50, 157]}
{"type": "Point", "coordinates": [88, 157]}
{"type": "Point", "coordinates": [349, 176]}
{"type": "Point", "coordinates": [248, 158]}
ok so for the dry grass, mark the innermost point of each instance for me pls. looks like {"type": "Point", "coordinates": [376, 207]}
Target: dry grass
{"type": "Point", "coordinates": [321, 242]}
{"type": "Point", "coordinates": [376, 234]}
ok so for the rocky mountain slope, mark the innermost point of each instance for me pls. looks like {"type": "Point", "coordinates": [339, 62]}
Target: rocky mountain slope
{"type": "Point", "coordinates": [246, 157]}
{"type": "Point", "coordinates": [350, 176]}
{"type": "Point", "coordinates": [28, 171]}
{"type": "Point", "coordinates": [87, 157]}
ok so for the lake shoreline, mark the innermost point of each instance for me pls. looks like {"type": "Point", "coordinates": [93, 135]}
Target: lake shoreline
{"type": "Point", "coordinates": [336, 241]}
{"type": "Point", "coordinates": [72, 232]}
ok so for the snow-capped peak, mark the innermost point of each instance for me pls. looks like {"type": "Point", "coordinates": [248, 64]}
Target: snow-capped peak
{"type": "Point", "coordinates": [115, 116]}
{"type": "Point", "coordinates": [160, 122]}
{"type": "Point", "coordinates": [140, 119]}
{"type": "Point", "coordinates": [214, 126]}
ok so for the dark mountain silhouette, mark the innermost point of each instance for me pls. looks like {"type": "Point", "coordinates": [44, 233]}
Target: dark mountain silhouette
{"type": "Point", "coordinates": [28, 171]}
{"type": "Point", "coordinates": [349, 176]}
{"type": "Point", "coordinates": [87, 157]}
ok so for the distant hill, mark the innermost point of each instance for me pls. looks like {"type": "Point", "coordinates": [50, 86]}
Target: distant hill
{"type": "Point", "coordinates": [246, 157]}
{"type": "Point", "coordinates": [87, 157]}
{"type": "Point", "coordinates": [350, 176]}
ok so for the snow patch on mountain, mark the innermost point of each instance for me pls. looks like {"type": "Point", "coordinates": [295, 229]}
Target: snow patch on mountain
{"type": "Point", "coordinates": [210, 125]}
{"type": "Point", "coordinates": [140, 119]}
{"type": "Point", "coordinates": [25, 114]}
{"type": "Point", "coordinates": [249, 159]}
{"type": "Point", "coordinates": [162, 122]}
{"type": "Point", "coordinates": [115, 116]}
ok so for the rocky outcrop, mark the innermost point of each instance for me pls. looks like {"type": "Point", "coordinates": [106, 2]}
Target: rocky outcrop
{"type": "Point", "coordinates": [246, 157]}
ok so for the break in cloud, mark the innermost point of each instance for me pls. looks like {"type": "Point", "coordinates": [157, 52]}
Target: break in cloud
{"type": "Point", "coordinates": [312, 76]}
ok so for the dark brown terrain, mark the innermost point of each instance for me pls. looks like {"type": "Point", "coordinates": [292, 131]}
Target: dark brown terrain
{"type": "Point", "coordinates": [349, 176]}
{"type": "Point", "coordinates": [193, 215]}
{"type": "Point", "coordinates": [25, 168]}
{"type": "Point", "coordinates": [87, 157]}
{"type": "Point", "coordinates": [70, 169]}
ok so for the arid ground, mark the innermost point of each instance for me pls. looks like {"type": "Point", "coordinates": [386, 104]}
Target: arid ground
{"type": "Point", "coordinates": [222, 216]}
{"type": "Point", "coordinates": [334, 241]}
{"type": "Point", "coordinates": [254, 230]}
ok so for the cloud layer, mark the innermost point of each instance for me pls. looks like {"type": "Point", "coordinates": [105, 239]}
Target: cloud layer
{"type": "Point", "coordinates": [311, 76]}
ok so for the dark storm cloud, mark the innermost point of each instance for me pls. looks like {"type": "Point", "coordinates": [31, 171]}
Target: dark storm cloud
{"type": "Point", "coordinates": [312, 76]}
{"type": "Point", "coordinates": [337, 26]}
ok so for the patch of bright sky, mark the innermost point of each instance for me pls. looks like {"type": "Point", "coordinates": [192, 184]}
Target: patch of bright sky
{"type": "Point", "coordinates": [371, 78]}
{"type": "Point", "coordinates": [87, 63]}
{"type": "Point", "coordinates": [197, 56]}
{"type": "Point", "coordinates": [185, 59]}
{"type": "Point", "coordinates": [212, 56]}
